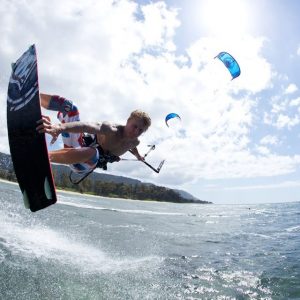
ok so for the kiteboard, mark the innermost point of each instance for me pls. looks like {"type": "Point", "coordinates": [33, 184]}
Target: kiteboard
{"type": "Point", "coordinates": [28, 148]}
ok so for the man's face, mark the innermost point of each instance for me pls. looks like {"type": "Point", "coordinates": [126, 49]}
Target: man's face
{"type": "Point", "coordinates": [134, 128]}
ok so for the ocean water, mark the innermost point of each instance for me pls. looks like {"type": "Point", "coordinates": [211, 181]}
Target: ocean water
{"type": "Point", "coordinates": [88, 247]}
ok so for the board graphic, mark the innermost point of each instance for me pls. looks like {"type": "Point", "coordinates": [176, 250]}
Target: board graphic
{"type": "Point", "coordinates": [28, 148]}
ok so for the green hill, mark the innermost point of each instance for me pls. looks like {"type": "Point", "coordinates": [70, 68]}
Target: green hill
{"type": "Point", "coordinates": [106, 185]}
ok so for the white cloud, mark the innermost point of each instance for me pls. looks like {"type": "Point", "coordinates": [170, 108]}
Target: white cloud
{"type": "Point", "coordinates": [292, 88]}
{"type": "Point", "coordinates": [284, 112]}
{"type": "Point", "coordinates": [280, 185]}
{"type": "Point", "coordinates": [263, 150]}
{"type": "Point", "coordinates": [286, 121]}
{"type": "Point", "coordinates": [269, 140]}
{"type": "Point", "coordinates": [281, 121]}
{"type": "Point", "coordinates": [295, 102]}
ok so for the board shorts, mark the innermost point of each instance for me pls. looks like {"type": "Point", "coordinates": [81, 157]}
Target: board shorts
{"type": "Point", "coordinates": [68, 112]}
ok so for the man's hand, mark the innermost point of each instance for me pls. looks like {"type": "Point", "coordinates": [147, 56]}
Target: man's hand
{"type": "Point", "coordinates": [136, 153]}
{"type": "Point", "coordinates": [47, 127]}
{"type": "Point", "coordinates": [139, 157]}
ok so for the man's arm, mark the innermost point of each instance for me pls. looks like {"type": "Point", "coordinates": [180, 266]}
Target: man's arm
{"type": "Point", "coordinates": [88, 127]}
{"type": "Point", "coordinates": [136, 153]}
{"type": "Point", "coordinates": [73, 127]}
{"type": "Point", "coordinates": [78, 127]}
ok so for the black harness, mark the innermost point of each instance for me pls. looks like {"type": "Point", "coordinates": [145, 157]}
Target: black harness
{"type": "Point", "coordinates": [90, 140]}
{"type": "Point", "coordinates": [105, 158]}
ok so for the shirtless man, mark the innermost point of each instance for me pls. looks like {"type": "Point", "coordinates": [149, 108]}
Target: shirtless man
{"type": "Point", "coordinates": [113, 139]}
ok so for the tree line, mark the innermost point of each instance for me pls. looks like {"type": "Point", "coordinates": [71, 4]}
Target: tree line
{"type": "Point", "coordinates": [137, 191]}
{"type": "Point", "coordinates": [118, 190]}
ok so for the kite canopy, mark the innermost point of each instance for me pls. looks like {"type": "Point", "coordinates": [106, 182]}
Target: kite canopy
{"type": "Point", "coordinates": [230, 63]}
{"type": "Point", "coordinates": [171, 116]}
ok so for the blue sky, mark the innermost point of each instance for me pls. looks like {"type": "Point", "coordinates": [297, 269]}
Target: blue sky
{"type": "Point", "coordinates": [238, 141]}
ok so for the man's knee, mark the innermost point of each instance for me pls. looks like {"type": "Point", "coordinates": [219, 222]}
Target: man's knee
{"type": "Point", "coordinates": [74, 108]}
{"type": "Point", "coordinates": [63, 105]}
{"type": "Point", "coordinates": [45, 100]}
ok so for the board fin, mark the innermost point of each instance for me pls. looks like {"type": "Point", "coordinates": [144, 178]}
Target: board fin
{"type": "Point", "coordinates": [26, 200]}
{"type": "Point", "coordinates": [47, 189]}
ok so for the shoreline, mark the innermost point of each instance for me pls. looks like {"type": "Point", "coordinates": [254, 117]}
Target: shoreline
{"type": "Point", "coordinates": [94, 196]}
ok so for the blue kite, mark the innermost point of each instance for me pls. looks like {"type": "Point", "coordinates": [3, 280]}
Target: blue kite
{"type": "Point", "coordinates": [230, 63]}
{"type": "Point", "coordinates": [171, 116]}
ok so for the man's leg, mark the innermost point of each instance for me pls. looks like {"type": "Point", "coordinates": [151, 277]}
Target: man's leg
{"type": "Point", "coordinates": [45, 99]}
{"type": "Point", "coordinates": [72, 156]}
{"type": "Point", "coordinates": [59, 104]}
{"type": "Point", "coordinates": [67, 112]}
{"type": "Point", "coordinates": [80, 159]}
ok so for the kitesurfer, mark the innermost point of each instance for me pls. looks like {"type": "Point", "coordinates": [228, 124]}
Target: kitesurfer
{"type": "Point", "coordinates": [109, 143]}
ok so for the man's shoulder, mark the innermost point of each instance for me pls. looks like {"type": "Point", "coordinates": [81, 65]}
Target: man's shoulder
{"type": "Point", "coordinates": [118, 127]}
{"type": "Point", "coordinates": [109, 125]}
{"type": "Point", "coordinates": [111, 128]}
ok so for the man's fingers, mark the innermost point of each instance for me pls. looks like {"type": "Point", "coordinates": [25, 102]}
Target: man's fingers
{"type": "Point", "coordinates": [43, 127]}
{"type": "Point", "coordinates": [40, 127]}
{"type": "Point", "coordinates": [46, 118]}
{"type": "Point", "coordinates": [53, 140]}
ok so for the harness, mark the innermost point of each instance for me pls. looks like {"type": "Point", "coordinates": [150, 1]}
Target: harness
{"type": "Point", "coordinates": [90, 140]}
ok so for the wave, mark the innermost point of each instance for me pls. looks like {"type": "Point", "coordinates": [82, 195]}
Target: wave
{"type": "Point", "coordinates": [40, 242]}
{"type": "Point", "coordinates": [132, 211]}
{"type": "Point", "coordinates": [293, 229]}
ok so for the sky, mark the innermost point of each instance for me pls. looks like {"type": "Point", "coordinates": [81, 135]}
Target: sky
{"type": "Point", "coordinates": [237, 141]}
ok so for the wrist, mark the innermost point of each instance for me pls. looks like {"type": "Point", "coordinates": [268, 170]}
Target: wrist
{"type": "Point", "coordinates": [60, 128]}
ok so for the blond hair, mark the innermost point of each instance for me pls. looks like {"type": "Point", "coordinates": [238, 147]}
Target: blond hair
{"type": "Point", "coordinates": [141, 115]}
